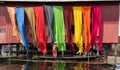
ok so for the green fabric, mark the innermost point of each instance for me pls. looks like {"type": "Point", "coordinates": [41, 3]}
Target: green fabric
{"type": "Point", "coordinates": [30, 14]}
{"type": "Point", "coordinates": [60, 66]}
{"type": "Point", "coordinates": [58, 28]}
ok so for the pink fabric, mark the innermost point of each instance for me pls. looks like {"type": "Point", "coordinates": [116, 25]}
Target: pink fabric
{"type": "Point", "coordinates": [96, 27]}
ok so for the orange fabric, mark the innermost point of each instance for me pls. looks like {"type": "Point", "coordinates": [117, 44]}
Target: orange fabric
{"type": "Point", "coordinates": [86, 66]}
{"type": "Point", "coordinates": [11, 12]}
{"type": "Point", "coordinates": [86, 19]}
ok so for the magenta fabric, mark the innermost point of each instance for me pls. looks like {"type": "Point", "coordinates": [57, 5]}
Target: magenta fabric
{"type": "Point", "coordinates": [96, 33]}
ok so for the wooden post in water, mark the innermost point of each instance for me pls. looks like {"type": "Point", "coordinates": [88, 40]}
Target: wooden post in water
{"type": "Point", "coordinates": [115, 53]}
{"type": "Point", "coordinates": [62, 53]}
{"type": "Point", "coordinates": [88, 56]}
{"type": "Point", "coordinates": [9, 53]}
{"type": "Point", "coordinates": [97, 50]}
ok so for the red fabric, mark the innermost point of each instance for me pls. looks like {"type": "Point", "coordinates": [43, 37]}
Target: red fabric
{"type": "Point", "coordinates": [40, 28]}
{"type": "Point", "coordinates": [42, 66]}
{"type": "Point", "coordinates": [68, 25]}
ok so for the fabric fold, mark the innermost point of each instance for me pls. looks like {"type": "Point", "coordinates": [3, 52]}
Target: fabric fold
{"type": "Point", "coordinates": [49, 17]}
{"type": "Point", "coordinates": [31, 17]}
{"type": "Point", "coordinates": [40, 28]}
{"type": "Point", "coordinates": [68, 16]}
{"type": "Point", "coordinates": [11, 12]}
{"type": "Point", "coordinates": [21, 26]}
{"type": "Point", "coordinates": [96, 33]}
{"type": "Point", "coordinates": [86, 19]}
{"type": "Point", "coordinates": [59, 29]}
{"type": "Point", "coordinates": [77, 11]}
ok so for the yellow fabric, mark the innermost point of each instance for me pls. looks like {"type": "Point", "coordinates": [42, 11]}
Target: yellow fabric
{"type": "Point", "coordinates": [79, 66]}
{"type": "Point", "coordinates": [11, 12]}
{"type": "Point", "coordinates": [77, 11]}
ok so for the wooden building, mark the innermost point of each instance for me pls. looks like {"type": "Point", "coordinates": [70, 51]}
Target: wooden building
{"type": "Point", "coordinates": [110, 17]}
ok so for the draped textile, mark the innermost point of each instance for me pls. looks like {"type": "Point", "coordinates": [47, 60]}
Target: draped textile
{"type": "Point", "coordinates": [86, 19]}
{"type": "Point", "coordinates": [77, 11]}
{"type": "Point", "coordinates": [11, 11]}
{"type": "Point", "coordinates": [21, 26]}
{"type": "Point", "coordinates": [59, 29]}
{"type": "Point", "coordinates": [30, 14]}
{"type": "Point", "coordinates": [40, 28]}
{"type": "Point", "coordinates": [68, 15]}
{"type": "Point", "coordinates": [96, 33]}
{"type": "Point", "coordinates": [49, 17]}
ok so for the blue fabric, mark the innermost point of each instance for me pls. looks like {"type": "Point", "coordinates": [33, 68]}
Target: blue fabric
{"type": "Point", "coordinates": [49, 16]}
{"type": "Point", "coordinates": [21, 26]}
{"type": "Point", "coordinates": [26, 66]}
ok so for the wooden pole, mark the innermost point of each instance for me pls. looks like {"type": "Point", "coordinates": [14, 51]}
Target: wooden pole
{"type": "Point", "coordinates": [62, 53]}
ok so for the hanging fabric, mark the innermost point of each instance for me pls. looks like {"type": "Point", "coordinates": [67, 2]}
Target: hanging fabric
{"type": "Point", "coordinates": [49, 16]}
{"type": "Point", "coordinates": [77, 11]}
{"type": "Point", "coordinates": [96, 33]}
{"type": "Point", "coordinates": [86, 19]}
{"type": "Point", "coordinates": [68, 16]}
{"type": "Point", "coordinates": [40, 28]}
{"type": "Point", "coordinates": [21, 26]}
{"type": "Point", "coordinates": [59, 29]}
{"type": "Point", "coordinates": [30, 14]}
{"type": "Point", "coordinates": [11, 11]}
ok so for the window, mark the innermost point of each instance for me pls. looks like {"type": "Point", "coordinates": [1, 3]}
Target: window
{"type": "Point", "coordinates": [2, 30]}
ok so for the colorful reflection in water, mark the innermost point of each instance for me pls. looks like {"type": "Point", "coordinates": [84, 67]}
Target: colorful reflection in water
{"type": "Point", "coordinates": [53, 65]}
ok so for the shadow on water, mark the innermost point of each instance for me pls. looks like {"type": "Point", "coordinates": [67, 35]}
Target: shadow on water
{"type": "Point", "coordinates": [54, 65]}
